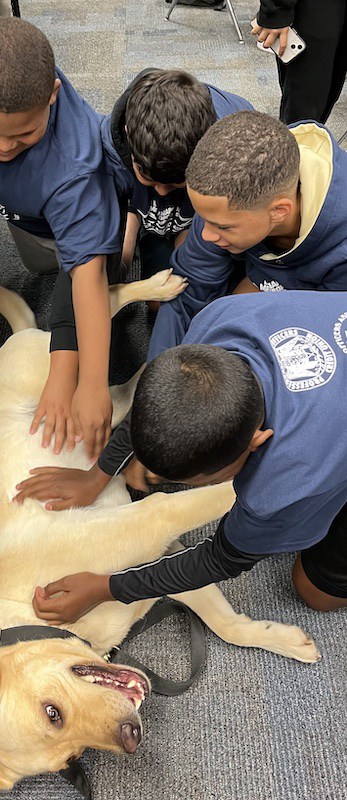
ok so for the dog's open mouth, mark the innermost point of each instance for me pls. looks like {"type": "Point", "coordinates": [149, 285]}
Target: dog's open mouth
{"type": "Point", "coordinates": [130, 683]}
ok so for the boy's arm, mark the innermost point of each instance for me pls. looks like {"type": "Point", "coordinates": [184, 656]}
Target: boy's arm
{"type": "Point", "coordinates": [55, 401]}
{"type": "Point", "coordinates": [65, 373]}
{"type": "Point", "coordinates": [210, 271]}
{"type": "Point", "coordinates": [132, 228]}
{"type": "Point", "coordinates": [62, 319]}
{"type": "Point", "coordinates": [210, 561]}
{"type": "Point", "coordinates": [91, 406]}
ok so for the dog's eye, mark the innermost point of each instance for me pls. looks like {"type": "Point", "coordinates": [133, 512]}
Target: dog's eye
{"type": "Point", "coordinates": [53, 715]}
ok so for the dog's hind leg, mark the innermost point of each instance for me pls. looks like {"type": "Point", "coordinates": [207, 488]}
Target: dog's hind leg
{"type": "Point", "coordinates": [24, 363]}
{"type": "Point", "coordinates": [122, 397]}
{"type": "Point", "coordinates": [16, 311]}
{"type": "Point", "coordinates": [213, 608]}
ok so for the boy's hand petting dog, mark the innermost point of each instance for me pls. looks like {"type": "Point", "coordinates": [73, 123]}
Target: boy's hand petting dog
{"type": "Point", "coordinates": [78, 594]}
{"type": "Point", "coordinates": [64, 488]}
{"type": "Point", "coordinates": [55, 403]}
{"type": "Point", "coordinates": [91, 411]}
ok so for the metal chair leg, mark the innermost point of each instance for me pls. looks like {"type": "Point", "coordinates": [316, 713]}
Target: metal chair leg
{"type": "Point", "coordinates": [15, 8]}
{"type": "Point", "coordinates": [231, 11]}
{"type": "Point", "coordinates": [171, 8]}
{"type": "Point", "coordinates": [230, 8]}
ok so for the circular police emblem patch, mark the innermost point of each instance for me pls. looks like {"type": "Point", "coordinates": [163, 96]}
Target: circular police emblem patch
{"type": "Point", "coordinates": [340, 332]}
{"type": "Point", "coordinates": [305, 359]}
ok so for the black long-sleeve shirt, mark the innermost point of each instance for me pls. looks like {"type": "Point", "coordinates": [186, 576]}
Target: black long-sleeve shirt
{"type": "Point", "coordinates": [212, 560]}
{"type": "Point", "coordinates": [276, 13]}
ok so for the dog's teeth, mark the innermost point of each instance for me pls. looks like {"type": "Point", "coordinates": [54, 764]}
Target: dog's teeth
{"type": "Point", "coordinates": [131, 684]}
{"type": "Point", "coordinates": [137, 704]}
{"type": "Point", "coordinates": [88, 678]}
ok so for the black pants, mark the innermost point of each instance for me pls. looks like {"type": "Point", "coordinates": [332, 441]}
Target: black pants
{"type": "Point", "coordinates": [312, 82]}
{"type": "Point", "coordinates": [325, 564]}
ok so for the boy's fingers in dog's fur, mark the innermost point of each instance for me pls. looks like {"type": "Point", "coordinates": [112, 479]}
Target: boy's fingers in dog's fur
{"type": "Point", "coordinates": [60, 505]}
{"type": "Point", "coordinates": [61, 431]}
{"type": "Point", "coordinates": [70, 435]}
{"type": "Point", "coordinates": [37, 419]}
{"type": "Point", "coordinates": [42, 486]}
{"type": "Point", "coordinates": [44, 606]}
{"type": "Point", "coordinates": [49, 427]}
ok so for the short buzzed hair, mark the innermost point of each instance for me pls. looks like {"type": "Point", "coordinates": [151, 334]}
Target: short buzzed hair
{"type": "Point", "coordinates": [247, 157]}
{"type": "Point", "coordinates": [195, 410]}
{"type": "Point", "coordinates": [27, 69]}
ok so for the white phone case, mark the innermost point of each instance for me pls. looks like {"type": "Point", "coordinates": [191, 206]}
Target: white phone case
{"type": "Point", "coordinates": [295, 45]}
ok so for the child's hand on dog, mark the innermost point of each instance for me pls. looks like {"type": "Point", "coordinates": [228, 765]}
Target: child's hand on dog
{"type": "Point", "coordinates": [77, 594]}
{"type": "Point", "coordinates": [55, 403]}
{"type": "Point", "coordinates": [63, 488]}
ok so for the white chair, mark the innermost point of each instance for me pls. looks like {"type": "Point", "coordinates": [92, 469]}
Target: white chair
{"type": "Point", "coordinates": [230, 9]}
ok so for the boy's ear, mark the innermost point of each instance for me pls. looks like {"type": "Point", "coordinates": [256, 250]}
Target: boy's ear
{"type": "Point", "coordinates": [259, 438]}
{"type": "Point", "coordinates": [54, 95]}
{"type": "Point", "coordinates": [280, 208]}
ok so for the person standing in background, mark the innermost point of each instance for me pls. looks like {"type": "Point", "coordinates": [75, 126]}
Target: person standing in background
{"type": "Point", "coordinates": [311, 83]}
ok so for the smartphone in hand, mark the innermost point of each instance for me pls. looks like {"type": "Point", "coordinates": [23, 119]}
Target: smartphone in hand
{"type": "Point", "coordinates": [294, 47]}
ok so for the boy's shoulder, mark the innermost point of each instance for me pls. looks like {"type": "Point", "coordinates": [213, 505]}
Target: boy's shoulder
{"type": "Point", "coordinates": [73, 133]}
{"type": "Point", "coordinates": [227, 103]}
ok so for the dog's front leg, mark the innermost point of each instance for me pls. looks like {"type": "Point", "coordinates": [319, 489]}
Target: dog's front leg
{"type": "Point", "coordinates": [213, 608]}
{"type": "Point", "coordinates": [184, 511]}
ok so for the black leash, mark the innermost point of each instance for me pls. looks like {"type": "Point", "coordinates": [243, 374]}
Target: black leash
{"type": "Point", "coordinates": [161, 685]}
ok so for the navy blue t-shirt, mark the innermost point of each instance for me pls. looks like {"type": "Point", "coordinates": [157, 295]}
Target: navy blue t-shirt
{"type": "Point", "coordinates": [294, 485]}
{"type": "Point", "coordinates": [61, 187]}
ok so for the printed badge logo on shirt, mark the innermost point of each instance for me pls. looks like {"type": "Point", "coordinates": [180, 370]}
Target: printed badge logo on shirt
{"type": "Point", "coordinates": [165, 220]}
{"type": "Point", "coordinates": [271, 286]}
{"type": "Point", "coordinates": [305, 359]}
{"type": "Point", "coordinates": [340, 332]}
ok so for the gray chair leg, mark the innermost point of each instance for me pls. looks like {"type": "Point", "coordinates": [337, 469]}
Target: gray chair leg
{"type": "Point", "coordinates": [171, 8]}
{"type": "Point", "coordinates": [231, 11]}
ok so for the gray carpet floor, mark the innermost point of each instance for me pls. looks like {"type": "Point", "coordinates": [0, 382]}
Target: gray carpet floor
{"type": "Point", "coordinates": [255, 726]}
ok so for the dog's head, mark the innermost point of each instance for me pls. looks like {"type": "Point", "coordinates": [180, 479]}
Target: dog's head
{"type": "Point", "coordinates": [57, 697]}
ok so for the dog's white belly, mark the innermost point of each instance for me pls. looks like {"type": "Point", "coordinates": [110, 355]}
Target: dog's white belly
{"type": "Point", "coordinates": [26, 530]}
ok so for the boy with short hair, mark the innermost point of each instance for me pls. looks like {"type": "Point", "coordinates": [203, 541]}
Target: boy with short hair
{"type": "Point", "coordinates": [155, 126]}
{"type": "Point", "coordinates": [266, 195]}
{"type": "Point", "coordinates": [61, 204]}
{"type": "Point", "coordinates": [259, 403]}
{"type": "Point", "coordinates": [148, 140]}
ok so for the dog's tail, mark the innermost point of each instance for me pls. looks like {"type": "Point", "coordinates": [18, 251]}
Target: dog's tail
{"type": "Point", "coordinates": [16, 311]}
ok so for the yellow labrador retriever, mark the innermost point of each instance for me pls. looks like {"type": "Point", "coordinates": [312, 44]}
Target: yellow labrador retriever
{"type": "Point", "coordinates": [58, 696]}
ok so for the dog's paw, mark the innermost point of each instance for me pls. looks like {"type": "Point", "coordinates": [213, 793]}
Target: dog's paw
{"type": "Point", "coordinates": [289, 641]}
{"type": "Point", "coordinates": [163, 286]}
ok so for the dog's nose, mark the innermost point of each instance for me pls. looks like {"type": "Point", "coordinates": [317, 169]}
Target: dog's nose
{"type": "Point", "coordinates": [130, 735]}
